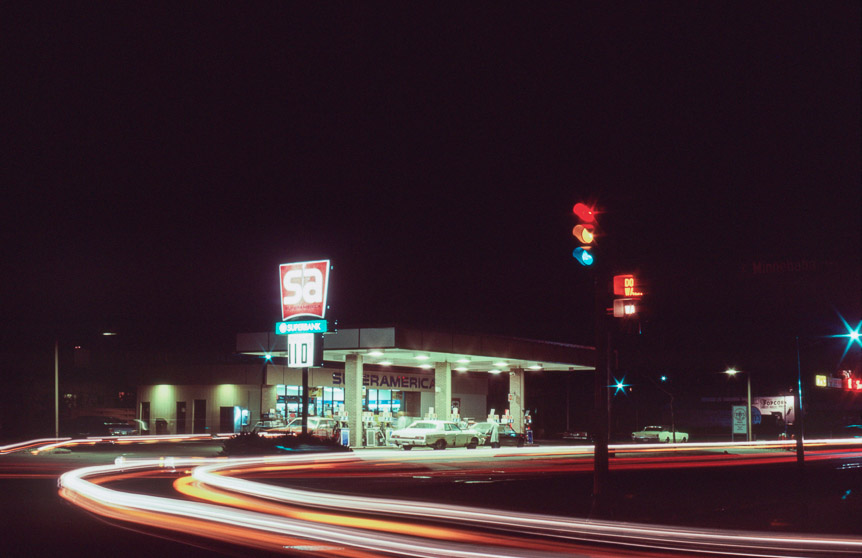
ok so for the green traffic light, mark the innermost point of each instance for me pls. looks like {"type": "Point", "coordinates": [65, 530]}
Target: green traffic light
{"type": "Point", "coordinates": [583, 256]}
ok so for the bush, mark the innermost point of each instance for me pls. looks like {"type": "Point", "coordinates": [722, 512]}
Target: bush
{"type": "Point", "coordinates": [250, 443]}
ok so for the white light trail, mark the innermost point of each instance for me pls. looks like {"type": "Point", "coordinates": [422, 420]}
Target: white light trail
{"type": "Point", "coordinates": [342, 521]}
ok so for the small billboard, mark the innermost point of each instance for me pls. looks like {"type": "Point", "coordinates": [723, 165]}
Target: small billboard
{"type": "Point", "coordinates": [304, 287]}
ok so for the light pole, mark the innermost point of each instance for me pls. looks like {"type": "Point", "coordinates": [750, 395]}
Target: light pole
{"type": "Point", "coordinates": [734, 372]}
{"type": "Point", "coordinates": [56, 388]}
{"type": "Point", "coordinates": [798, 426]}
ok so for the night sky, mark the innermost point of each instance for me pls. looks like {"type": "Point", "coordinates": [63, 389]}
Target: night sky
{"type": "Point", "coordinates": [158, 166]}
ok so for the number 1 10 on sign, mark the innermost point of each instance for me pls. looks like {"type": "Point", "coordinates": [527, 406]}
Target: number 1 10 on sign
{"type": "Point", "coordinates": [300, 350]}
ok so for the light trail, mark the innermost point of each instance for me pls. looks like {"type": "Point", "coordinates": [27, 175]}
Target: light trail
{"type": "Point", "coordinates": [224, 503]}
{"type": "Point", "coordinates": [54, 443]}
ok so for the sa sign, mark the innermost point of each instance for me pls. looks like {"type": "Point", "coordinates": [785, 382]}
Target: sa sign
{"type": "Point", "coordinates": [303, 288]}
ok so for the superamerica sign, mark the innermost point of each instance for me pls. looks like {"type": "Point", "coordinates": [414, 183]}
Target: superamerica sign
{"type": "Point", "coordinates": [405, 382]}
{"type": "Point", "coordinates": [303, 288]}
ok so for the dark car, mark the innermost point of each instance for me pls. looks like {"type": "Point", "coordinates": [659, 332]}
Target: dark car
{"type": "Point", "coordinates": [82, 427]}
{"type": "Point", "coordinates": [575, 437]}
{"type": "Point", "coordinates": [496, 435]}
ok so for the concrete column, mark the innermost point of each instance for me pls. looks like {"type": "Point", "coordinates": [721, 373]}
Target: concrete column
{"type": "Point", "coordinates": [516, 391]}
{"type": "Point", "coordinates": [353, 397]}
{"type": "Point", "coordinates": [442, 391]}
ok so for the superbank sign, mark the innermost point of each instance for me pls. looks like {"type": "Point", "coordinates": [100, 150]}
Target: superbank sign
{"type": "Point", "coordinates": [303, 289]}
{"type": "Point", "coordinates": [405, 382]}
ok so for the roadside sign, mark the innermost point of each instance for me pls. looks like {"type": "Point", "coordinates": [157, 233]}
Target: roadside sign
{"type": "Point", "coordinates": [740, 419]}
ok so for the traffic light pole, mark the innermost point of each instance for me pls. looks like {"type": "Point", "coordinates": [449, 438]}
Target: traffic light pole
{"type": "Point", "coordinates": [601, 417]}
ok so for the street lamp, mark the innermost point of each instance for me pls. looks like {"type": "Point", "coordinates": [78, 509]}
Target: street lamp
{"type": "Point", "coordinates": [734, 372]}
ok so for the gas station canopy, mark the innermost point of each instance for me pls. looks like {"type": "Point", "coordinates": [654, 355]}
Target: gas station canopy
{"type": "Point", "coordinates": [412, 348]}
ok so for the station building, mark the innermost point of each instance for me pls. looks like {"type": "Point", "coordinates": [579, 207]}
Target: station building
{"type": "Point", "coordinates": [369, 377]}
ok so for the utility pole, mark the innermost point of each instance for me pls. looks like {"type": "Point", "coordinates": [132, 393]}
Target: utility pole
{"type": "Point", "coordinates": [800, 445]}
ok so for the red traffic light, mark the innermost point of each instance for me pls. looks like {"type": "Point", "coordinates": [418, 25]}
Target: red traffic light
{"type": "Point", "coordinates": [584, 212]}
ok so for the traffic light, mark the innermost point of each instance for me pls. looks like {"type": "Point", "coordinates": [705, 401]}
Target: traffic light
{"type": "Point", "coordinates": [585, 232]}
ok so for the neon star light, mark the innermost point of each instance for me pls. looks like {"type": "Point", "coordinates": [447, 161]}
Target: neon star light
{"type": "Point", "coordinates": [620, 385]}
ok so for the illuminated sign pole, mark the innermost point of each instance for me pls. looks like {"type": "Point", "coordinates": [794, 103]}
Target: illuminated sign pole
{"type": "Point", "coordinates": [304, 287]}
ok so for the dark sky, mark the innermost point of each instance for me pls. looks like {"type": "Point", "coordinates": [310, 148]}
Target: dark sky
{"type": "Point", "coordinates": [160, 165]}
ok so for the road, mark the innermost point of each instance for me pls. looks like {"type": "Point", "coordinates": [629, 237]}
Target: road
{"type": "Point", "coordinates": [423, 503]}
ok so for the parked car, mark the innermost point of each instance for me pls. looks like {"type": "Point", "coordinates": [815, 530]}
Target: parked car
{"type": "Point", "coordinates": [659, 434]}
{"type": "Point", "coordinates": [260, 426]}
{"type": "Point", "coordinates": [438, 434]}
{"type": "Point", "coordinates": [496, 435]}
{"type": "Point", "coordinates": [82, 427]}
{"type": "Point", "coordinates": [575, 436]}
{"type": "Point", "coordinates": [322, 427]}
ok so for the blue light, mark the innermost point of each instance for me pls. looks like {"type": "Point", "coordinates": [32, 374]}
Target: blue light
{"type": "Point", "coordinates": [852, 335]}
{"type": "Point", "coordinates": [268, 357]}
{"type": "Point", "coordinates": [620, 385]}
{"type": "Point", "coordinates": [583, 256]}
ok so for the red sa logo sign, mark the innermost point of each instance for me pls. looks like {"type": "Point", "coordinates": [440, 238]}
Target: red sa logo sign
{"type": "Point", "coordinates": [303, 288]}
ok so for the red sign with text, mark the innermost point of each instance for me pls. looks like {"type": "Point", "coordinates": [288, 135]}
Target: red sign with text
{"type": "Point", "coordinates": [303, 289]}
{"type": "Point", "coordinates": [624, 285]}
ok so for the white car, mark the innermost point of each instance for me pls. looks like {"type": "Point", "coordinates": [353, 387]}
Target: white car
{"type": "Point", "coordinates": [260, 426]}
{"type": "Point", "coordinates": [438, 434]}
{"type": "Point", "coordinates": [322, 427]}
{"type": "Point", "coordinates": [659, 435]}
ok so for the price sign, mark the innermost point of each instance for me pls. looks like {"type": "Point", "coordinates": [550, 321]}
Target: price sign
{"type": "Point", "coordinates": [304, 350]}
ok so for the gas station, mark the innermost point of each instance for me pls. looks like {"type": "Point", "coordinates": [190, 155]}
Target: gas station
{"type": "Point", "coordinates": [373, 375]}
{"type": "Point", "coordinates": [367, 379]}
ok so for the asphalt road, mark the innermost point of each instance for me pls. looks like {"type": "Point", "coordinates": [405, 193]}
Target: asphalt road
{"type": "Point", "coordinates": [827, 499]}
